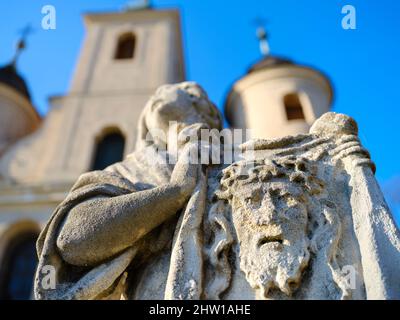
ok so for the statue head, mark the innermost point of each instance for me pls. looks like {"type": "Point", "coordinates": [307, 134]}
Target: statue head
{"type": "Point", "coordinates": [270, 213]}
{"type": "Point", "coordinates": [184, 103]}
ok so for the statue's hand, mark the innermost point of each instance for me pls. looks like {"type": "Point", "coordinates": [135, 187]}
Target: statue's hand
{"type": "Point", "coordinates": [209, 142]}
{"type": "Point", "coordinates": [186, 170]}
{"type": "Point", "coordinates": [191, 133]}
{"type": "Point", "coordinates": [192, 151]}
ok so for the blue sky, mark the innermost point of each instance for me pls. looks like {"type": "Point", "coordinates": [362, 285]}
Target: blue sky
{"type": "Point", "coordinates": [220, 44]}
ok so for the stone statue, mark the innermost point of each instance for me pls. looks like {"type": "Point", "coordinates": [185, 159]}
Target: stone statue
{"type": "Point", "coordinates": [121, 221]}
{"type": "Point", "coordinates": [297, 218]}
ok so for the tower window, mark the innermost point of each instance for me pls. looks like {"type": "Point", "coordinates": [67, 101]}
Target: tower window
{"type": "Point", "coordinates": [109, 150]}
{"type": "Point", "coordinates": [126, 46]}
{"type": "Point", "coordinates": [293, 107]}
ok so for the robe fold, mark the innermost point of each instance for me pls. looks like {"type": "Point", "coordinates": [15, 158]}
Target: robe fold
{"type": "Point", "coordinates": [108, 279]}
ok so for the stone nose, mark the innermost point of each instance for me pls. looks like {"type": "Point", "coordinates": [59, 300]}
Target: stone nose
{"type": "Point", "coordinates": [269, 214]}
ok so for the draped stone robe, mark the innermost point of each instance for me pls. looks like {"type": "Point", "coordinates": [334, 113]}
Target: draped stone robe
{"type": "Point", "coordinates": [141, 271]}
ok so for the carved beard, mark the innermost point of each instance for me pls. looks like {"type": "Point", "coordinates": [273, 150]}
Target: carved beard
{"type": "Point", "coordinates": [269, 267]}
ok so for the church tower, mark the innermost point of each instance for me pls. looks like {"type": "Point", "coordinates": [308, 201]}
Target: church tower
{"type": "Point", "coordinates": [125, 57]}
{"type": "Point", "coordinates": [130, 52]}
{"type": "Point", "coordinates": [277, 97]}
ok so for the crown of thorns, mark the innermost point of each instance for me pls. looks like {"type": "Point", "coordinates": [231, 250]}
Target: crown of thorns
{"type": "Point", "coordinates": [296, 170]}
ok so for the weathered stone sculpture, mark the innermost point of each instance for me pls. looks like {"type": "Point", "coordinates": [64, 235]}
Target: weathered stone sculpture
{"type": "Point", "coordinates": [301, 212]}
{"type": "Point", "coordinates": [117, 221]}
{"type": "Point", "coordinates": [297, 218]}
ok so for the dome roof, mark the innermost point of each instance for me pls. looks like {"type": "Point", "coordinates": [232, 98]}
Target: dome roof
{"type": "Point", "coordinates": [10, 77]}
{"type": "Point", "coordinates": [269, 62]}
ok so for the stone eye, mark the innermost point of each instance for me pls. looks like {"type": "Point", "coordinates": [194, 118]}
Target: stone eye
{"type": "Point", "coordinates": [254, 200]}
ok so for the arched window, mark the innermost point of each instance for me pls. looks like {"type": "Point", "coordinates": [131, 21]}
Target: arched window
{"type": "Point", "coordinates": [109, 150]}
{"type": "Point", "coordinates": [18, 267]}
{"type": "Point", "coordinates": [126, 46]}
{"type": "Point", "coordinates": [293, 107]}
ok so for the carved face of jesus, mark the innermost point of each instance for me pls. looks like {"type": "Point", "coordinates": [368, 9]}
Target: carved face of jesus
{"type": "Point", "coordinates": [271, 221]}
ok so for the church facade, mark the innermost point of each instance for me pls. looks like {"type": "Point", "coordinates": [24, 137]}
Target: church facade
{"type": "Point", "coordinates": [126, 56]}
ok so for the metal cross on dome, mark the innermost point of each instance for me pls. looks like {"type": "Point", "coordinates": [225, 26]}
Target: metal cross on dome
{"type": "Point", "coordinates": [262, 36]}
{"type": "Point", "coordinates": [21, 45]}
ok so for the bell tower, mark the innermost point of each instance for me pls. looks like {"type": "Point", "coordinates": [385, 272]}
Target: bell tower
{"type": "Point", "coordinates": [131, 52]}
{"type": "Point", "coordinates": [125, 57]}
{"type": "Point", "coordinates": [277, 97]}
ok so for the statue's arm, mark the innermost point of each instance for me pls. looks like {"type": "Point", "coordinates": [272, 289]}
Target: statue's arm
{"type": "Point", "coordinates": [101, 227]}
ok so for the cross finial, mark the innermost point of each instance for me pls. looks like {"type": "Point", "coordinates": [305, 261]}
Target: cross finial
{"type": "Point", "coordinates": [262, 36]}
{"type": "Point", "coordinates": [21, 45]}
